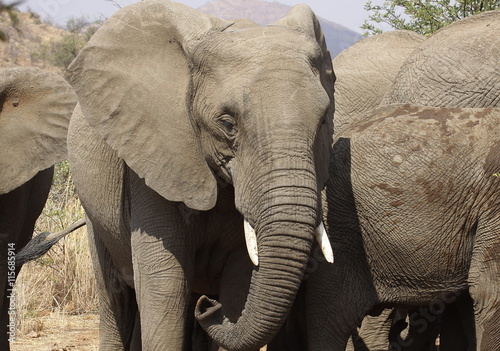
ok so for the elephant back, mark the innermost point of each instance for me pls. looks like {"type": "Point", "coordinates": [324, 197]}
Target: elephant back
{"type": "Point", "coordinates": [366, 71]}
{"type": "Point", "coordinates": [455, 67]}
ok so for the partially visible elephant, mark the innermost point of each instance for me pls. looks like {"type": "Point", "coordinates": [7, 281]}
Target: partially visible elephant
{"type": "Point", "coordinates": [412, 213]}
{"type": "Point", "coordinates": [35, 108]}
{"type": "Point", "coordinates": [366, 70]}
{"type": "Point", "coordinates": [455, 67]}
{"type": "Point", "coordinates": [189, 129]}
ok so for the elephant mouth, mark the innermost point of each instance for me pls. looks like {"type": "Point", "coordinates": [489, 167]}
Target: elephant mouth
{"type": "Point", "coordinates": [320, 235]}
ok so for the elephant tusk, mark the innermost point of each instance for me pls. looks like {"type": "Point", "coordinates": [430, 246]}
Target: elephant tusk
{"type": "Point", "coordinates": [324, 242]}
{"type": "Point", "coordinates": [251, 240]}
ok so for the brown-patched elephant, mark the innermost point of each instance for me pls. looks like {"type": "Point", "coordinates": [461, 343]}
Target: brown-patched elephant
{"type": "Point", "coordinates": [188, 126]}
{"type": "Point", "coordinates": [455, 67]}
{"type": "Point", "coordinates": [412, 213]}
{"type": "Point", "coordinates": [35, 108]}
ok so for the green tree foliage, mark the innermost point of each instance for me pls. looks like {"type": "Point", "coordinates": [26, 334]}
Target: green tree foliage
{"type": "Point", "coordinates": [422, 16]}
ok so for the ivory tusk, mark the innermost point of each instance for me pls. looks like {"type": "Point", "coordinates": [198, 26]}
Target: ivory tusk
{"type": "Point", "coordinates": [324, 242]}
{"type": "Point", "coordinates": [251, 240]}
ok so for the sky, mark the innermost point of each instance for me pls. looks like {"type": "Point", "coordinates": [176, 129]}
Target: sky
{"type": "Point", "coordinates": [349, 13]}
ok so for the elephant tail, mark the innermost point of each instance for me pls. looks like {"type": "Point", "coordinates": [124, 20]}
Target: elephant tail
{"type": "Point", "coordinates": [40, 244]}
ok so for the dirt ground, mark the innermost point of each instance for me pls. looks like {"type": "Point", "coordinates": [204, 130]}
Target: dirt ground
{"type": "Point", "coordinates": [59, 332]}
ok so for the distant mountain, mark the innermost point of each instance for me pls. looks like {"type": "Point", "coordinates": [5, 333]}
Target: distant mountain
{"type": "Point", "coordinates": [263, 12]}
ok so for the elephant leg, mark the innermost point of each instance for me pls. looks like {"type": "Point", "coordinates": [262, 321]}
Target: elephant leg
{"type": "Point", "coordinates": [4, 316]}
{"type": "Point", "coordinates": [483, 285]}
{"type": "Point", "coordinates": [117, 305]}
{"type": "Point", "coordinates": [373, 334]}
{"type": "Point", "coordinates": [338, 296]}
{"type": "Point", "coordinates": [457, 329]}
{"type": "Point", "coordinates": [136, 343]}
{"type": "Point", "coordinates": [420, 330]}
{"type": "Point", "coordinates": [235, 283]}
{"type": "Point", "coordinates": [161, 257]}
{"type": "Point", "coordinates": [19, 210]}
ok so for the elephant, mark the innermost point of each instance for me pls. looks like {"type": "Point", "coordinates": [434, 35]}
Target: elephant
{"type": "Point", "coordinates": [364, 74]}
{"type": "Point", "coordinates": [366, 71]}
{"type": "Point", "coordinates": [195, 138]}
{"type": "Point", "coordinates": [35, 108]}
{"type": "Point", "coordinates": [411, 208]}
{"type": "Point", "coordinates": [455, 67]}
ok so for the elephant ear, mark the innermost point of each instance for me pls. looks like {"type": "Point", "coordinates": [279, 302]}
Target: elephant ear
{"type": "Point", "coordinates": [303, 19]}
{"type": "Point", "coordinates": [35, 108]}
{"type": "Point", "coordinates": [132, 82]}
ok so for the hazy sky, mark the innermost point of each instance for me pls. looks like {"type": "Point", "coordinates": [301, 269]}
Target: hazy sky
{"type": "Point", "coordinates": [349, 13]}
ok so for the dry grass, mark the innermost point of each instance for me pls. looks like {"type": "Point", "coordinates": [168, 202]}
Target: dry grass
{"type": "Point", "coordinates": [62, 281]}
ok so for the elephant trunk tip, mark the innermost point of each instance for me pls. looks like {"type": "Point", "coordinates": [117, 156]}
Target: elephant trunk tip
{"type": "Point", "coordinates": [209, 312]}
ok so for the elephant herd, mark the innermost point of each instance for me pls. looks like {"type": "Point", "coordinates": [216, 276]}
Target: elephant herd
{"type": "Point", "coordinates": [218, 194]}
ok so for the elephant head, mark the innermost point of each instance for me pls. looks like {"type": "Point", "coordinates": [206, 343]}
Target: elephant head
{"type": "Point", "coordinates": [35, 108]}
{"type": "Point", "coordinates": [193, 103]}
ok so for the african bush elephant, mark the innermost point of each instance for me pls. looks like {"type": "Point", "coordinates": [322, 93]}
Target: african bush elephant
{"type": "Point", "coordinates": [35, 108]}
{"type": "Point", "coordinates": [412, 213]}
{"type": "Point", "coordinates": [455, 67]}
{"type": "Point", "coordinates": [189, 129]}
{"type": "Point", "coordinates": [365, 72]}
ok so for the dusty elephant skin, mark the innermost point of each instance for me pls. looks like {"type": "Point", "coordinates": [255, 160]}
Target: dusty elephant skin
{"type": "Point", "coordinates": [187, 126]}
{"type": "Point", "coordinates": [455, 67]}
{"type": "Point", "coordinates": [366, 71]}
{"type": "Point", "coordinates": [410, 185]}
{"type": "Point", "coordinates": [35, 108]}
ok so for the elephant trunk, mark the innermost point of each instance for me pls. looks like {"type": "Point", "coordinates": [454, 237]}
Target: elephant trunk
{"type": "Point", "coordinates": [285, 231]}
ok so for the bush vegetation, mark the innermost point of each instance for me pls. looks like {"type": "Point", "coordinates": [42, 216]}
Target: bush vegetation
{"type": "Point", "coordinates": [61, 53]}
{"type": "Point", "coordinates": [62, 281]}
{"type": "Point", "coordinates": [422, 16]}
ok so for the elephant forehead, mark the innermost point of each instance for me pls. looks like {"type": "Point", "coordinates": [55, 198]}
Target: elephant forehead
{"type": "Point", "coordinates": [259, 44]}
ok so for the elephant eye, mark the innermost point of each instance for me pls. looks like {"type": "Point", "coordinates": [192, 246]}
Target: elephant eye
{"type": "Point", "coordinates": [228, 124]}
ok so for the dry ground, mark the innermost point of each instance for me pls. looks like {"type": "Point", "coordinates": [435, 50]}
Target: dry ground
{"type": "Point", "coordinates": [60, 332]}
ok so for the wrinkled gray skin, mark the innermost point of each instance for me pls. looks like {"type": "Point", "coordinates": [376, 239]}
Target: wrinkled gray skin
{"type": "Point", "coordinates": [35, 108]}
{"type": "Point", "coordinates": [438, 163]}
{"type": "Point", "coordinates": [455, 67]}
{"type": "Point", "coordinates": [188, 125]}
{"type": "Point", "coordinates": [366, 71]}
